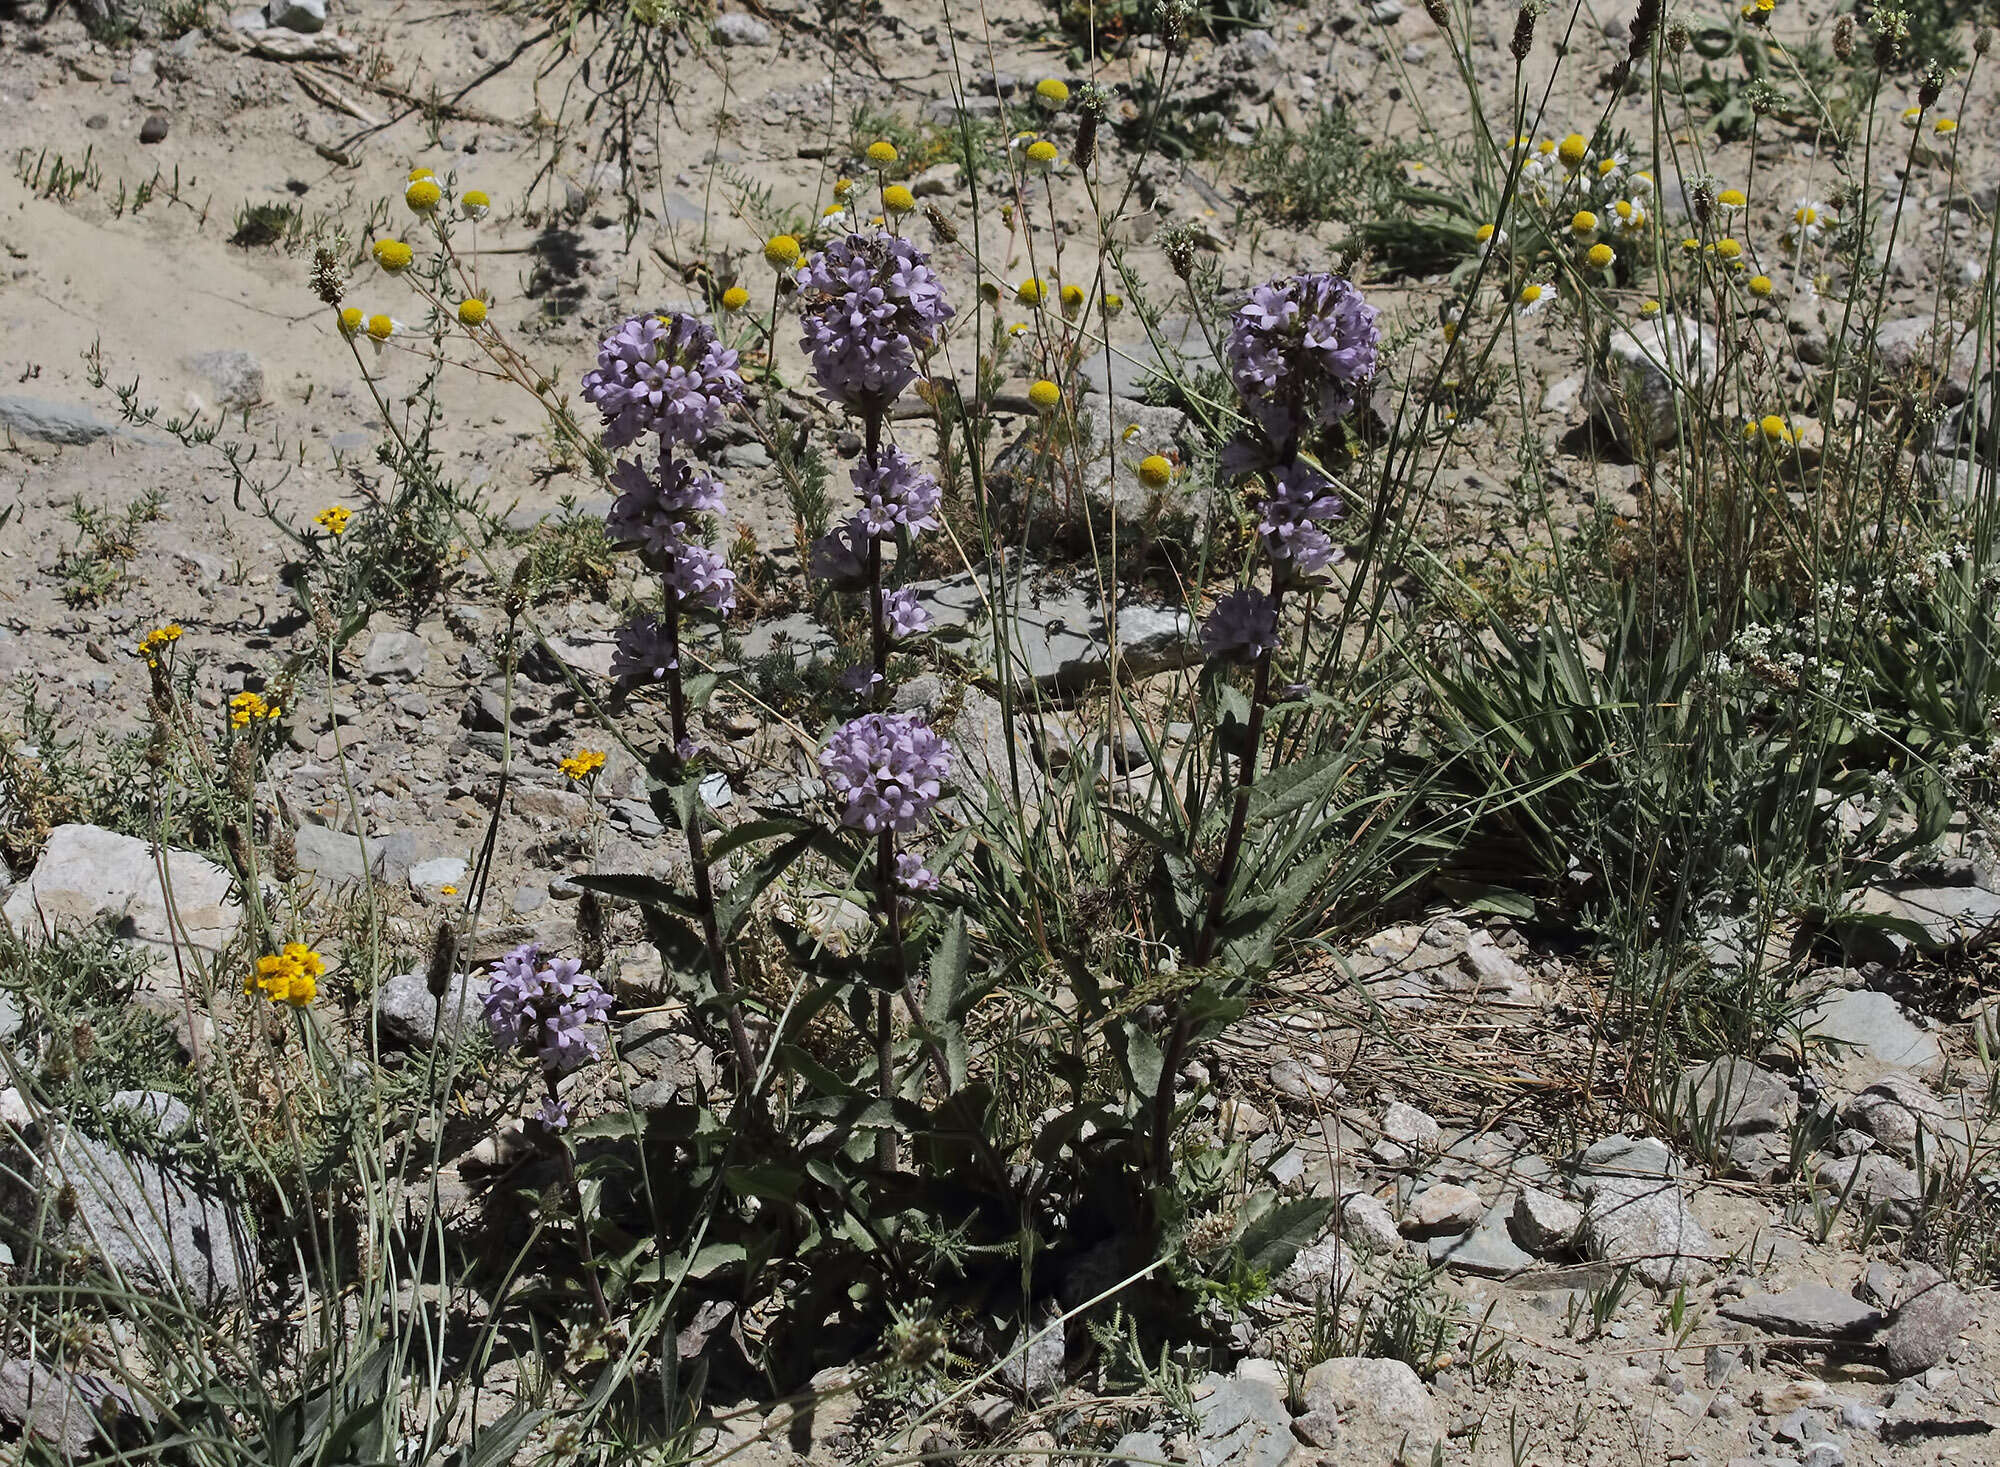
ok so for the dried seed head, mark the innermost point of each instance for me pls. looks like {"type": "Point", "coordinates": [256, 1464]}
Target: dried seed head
{"type": "Point", "coordinates": [1175, 18]}
{"type": "Point", "coordinates": [1676, 36]}
{"type": "Point", "coordinates": [243, 768]}
{"type": "Point", "coordinates": [1843, 38]}
{"type": "Point", "coordinates": [1890, 28]}
{"type": "Point", "coordinates": [1982, 41]}
{"type": "Point", "coordinates": [322, 615]}
{"type": "Point", "coordinates": [1645, 20]}
{"type": "Point", "coordinates": [443, 959]}
{"type": "Point", "coordinates": [1085, 151]}
{"type": "Point", "coordinates": [238, 846]}
{"type": "Point", "coordinates": [284, 853]}
{"type": "Point", "coordinates": [328, 279]}
{"type": "Point", "coordinates": [1524, 33]}
{"type": "Point", "coordinates": [1439, 12]}
{"type": "Point", "coordinates": [1702, 196]}
{"type": "Point", "coordinates": [1932, 86]}
{"type": "Point", "coordinates": [1177, 244]}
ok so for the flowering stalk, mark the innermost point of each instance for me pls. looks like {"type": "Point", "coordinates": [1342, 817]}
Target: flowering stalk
{"type": "Point", "coordinates": [1300, 352]}
{"type": "Point", "coordinates": [869, 304]}
{"type": "Point", "coordinates": [670, 376]}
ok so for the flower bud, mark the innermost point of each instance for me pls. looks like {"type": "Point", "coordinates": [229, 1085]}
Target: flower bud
{"type": "Point", "coordinates": [1932, 86]}
{"type": "Point", "coordinates": [1439, 12]}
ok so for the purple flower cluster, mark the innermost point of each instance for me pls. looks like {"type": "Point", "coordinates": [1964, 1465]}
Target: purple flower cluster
{"type": "Point", "coordinates": [1300, 351]}
{"type": "Point", "coordinates": [905, 615]}
{"type": "Point", "coordinates": [1300, 502]}
{"type": "Point", "coordinates": [545, 1009]}
{"type": "Point", "coordinates": [913, 875]}
{"type": "Point", "coordinates": [700, 577]}
{"type": "Point", "coordinates": [885, 770]}
{"type": "Point", "coordinates": [896, 494]}
{"type": "Point", "coordinates": [869, 304]}
{"type": "Point", "coordinates": [651, 510]}
{"type": "Point", "coordinates": [662, 374]}
{"type": "Point", "coordinates": [1242, 628]}
{"type": "Point", "coordinates": [644, 653]}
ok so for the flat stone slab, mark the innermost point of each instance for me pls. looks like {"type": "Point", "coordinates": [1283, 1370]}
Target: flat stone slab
{"type": "Point", "coordinates": [1809, 1309]}
{"type": "Point", "coordinates": [1873, 1033]}
{"type": "Point", "coordinates": [90, 876]}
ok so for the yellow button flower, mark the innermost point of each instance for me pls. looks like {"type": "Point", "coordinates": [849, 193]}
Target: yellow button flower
{"type": "Point", "coordinates": [1572, 150]}
{"type": "Point", "coordinates": [882, 153]}
{"type": "Point", "coordinates": [1031, 292]}
{"type": "Point", "coordinates": [1760, 286]}
{"type": "Point", "coordinates": [1051, 92]}
{"type": "Point", "coordinates": [898, 200]}
{"type": "Point", "coordinates": [1583, 222]}
{"type": "Point", "coordinates": [1072, 299]}
{"type": "Point", "coordinates": [1045, 395]}
{"type": "Point", "coordinates": [1648, 310]}
{"type": "Point", "coordinates": [735, 298]}
{"type": "Point", "coordinates": [472, 312]}
{"type": "Point", "coordinates": [393, 255]}
{"type": "Point", "coordinates": [1732, 199]}
{"type": "Point", "coordinates": [1041, 154]}
{"type": "Point", "coordinates": [351, 322]}
{"type": "Point", "coordinates": [1156, 471]}
{"type": "Point", "coordinates": [1601, 256]}
{"type": "Point", "coordinates": [423, 196]}
{"type": "Point", "coordinates": [782, 251]}
{"type": "Point", "coordinates": [474, 203]}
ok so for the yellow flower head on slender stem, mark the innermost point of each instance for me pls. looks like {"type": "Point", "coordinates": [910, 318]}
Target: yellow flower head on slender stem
{"type": "Point", "coordinates": [1572, 150]}
{"type": "Point", "coordinates": [333, 519]}
{"type": "Point", "coordinates": [423, 196]}
{"type": "Point", "coordinates": [1648, 309]}
{"type": "Point", "coordinates": [1601, 256]}
{"type": "Point", "coordinates": [472, 312]}
{"type": "Point", "coordinates": [1729, 249]}
{"type": "Point", "coordinates": [418, 175]}
{"type": "Point", "coordinates": [1113, 304]}
{"type": "Point", "coordinates": [782, 251]}
{"type": "Point", "coordinates": [1771, 428]}
{"type": "Point", "coordinates": [1912, 116]}
{"type": "Point", "coordinates": [351, 322]}
{"type": "Point", "coordinates": [290, 975]}
{"type": "Point", "coordinates": [842, 187]}
{"type": "Point", "coordinates": [1732, 199]}
{"type": "Point", "coordinates": [1041, 154]}
{"type": "Point", "coordinates": [1031, 292]}
{"type": "Point", "coordinates": [1051, 93]}
{"type": "Point", "coordinates": [1156, 471]}
{"type": "Point", "coordinates": [474, 203]}
{"type": "Point", "coordinates": [1583, 222]}
{"type": "Point", "coordinates": [1760, 286]}
{"type": "Point", "coordinates": [882, 153]}
{"type": "Point", "coordinates": [735, 298]}
{"type": "Point", "coordinates": [582, 764]}
{"type": "Point", "coordinates": [1072, 300]}
{"type": "Point", "coordinates": [158, 640]}
{"type": "Point", "coordinates": [393, 255]}
{"type": "Point", "coordinates": [898, 200]}
{"type": "Point", "coordinates": [1944, 127]}
{"type": "Point", "coordinates": [381, 328]}
{"type": "Point", "coordinates": [1045, 395]}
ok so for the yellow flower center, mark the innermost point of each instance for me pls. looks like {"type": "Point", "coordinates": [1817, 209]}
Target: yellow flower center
{"type": "Point", "coordinates": [1156, 471]}
{"type": "Point", "coordinates": [381, 327]}
{"type": "Point", "coordinates": [1583, 221]}
{"type": "Point", "coordinates": [1601, 256]}
{"type": "Point", "coordinates": [1572, 150]}
{"type": "Point", "coordinates": [882, 153]}
{"type": "Point", "coordinates": [897, 199]}
{"type": "Point", "coordinates": [393, 255]}
{"type": "Point", "coordinates": [351, 321]}
{"type": "Point", "coordinates": [423, 196]}
{"type": "Point", "coordinates": [1045, 395]}
{"type": "Point", "coordinates": [1760, 286]}
{"type": "Point", "coordinates": [472, 311]}
{"type": "Point", "coordinates": [782, 251]}
{"type": "Point", "coordinates": [1051, 91]}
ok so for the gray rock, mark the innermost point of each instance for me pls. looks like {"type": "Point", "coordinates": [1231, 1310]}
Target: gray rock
{"type": "Point", "coordinates": [738, 29]}
{"type": "Point", "coordinates": [91, 876]}
{"type": "Point", "coordinates": [1927, 1323]}
{"type": "Point", "coordinates": [1488, 1250]}
{"type": "Point", "coordinates": [1140, 1449]}
{"type": "Point", "coordinates": [1443, 1208]}
{"type": "Point", "coordinates": [1176, 346]}
{"type": "Point", "coordinates": [978, 734]}
{"type": "Point", "coordinates": [50, 422]}
{"type": "Point", "coordinates": [1241, 1420]}
{"type": "Point", "coordinates": [10, 1014]}
{"type": "Point", "coordinates": [147, 1225]}
{"type": "Point", "coordinates": [1951, 916]}
{"type": "Point", "coordinates": [154, 128]}
{"type": "Point", "coordinates": [395, 656]}
{"type": "Point", "coordinates": [1113, 434]}
{"type": "Point", "coordinates": [1872, 1034]}
{"type": "Point", "coordinates": [1034, 1366]}
{"type": "Point", "coordinates": [1894, 1110]}
{"type": "Point", "coordinates": [236, 377]}
{"type": "Point", "coordinates": [1318, 1271]}
{"type": "Point", "coordinates": [1367, 1223]}
{"type": "Point", "coordinates": [1742, 1112]}
{"type": "Point", "coordinates": [1721, 1364]}
{"type": "Point", "coordinates": [337, 858]}
{"type": "Point", "coordinates": [1410, 1128]}
{"type": "Point", "coordinates": [1377, 1411]}
{"type": "Point", "coordinates": [168, 1113]}
{"type": "Point", "coordinates": [1493, 971]}
{"type": "Point", "coordinates": [408, 1016]}
{"type": "Point", "coordinates": [1634, 1212]}
{"type": "Point", "coordinates": [1545, 1224]}
{"type": "Point", "coordinates": [430, 877]}
{"type": "Point", "coordinates": [587, 656]}
{"type": "Point", "coordinates": [1057, 634]}
{"type": "Point", "coordinates": [1809, 1309]}
{"type": "Point", "coordinates": [304, 16]}
{"type": "Point", "coordinates": [1948, 353]}
{"type": "Point", "coordinates": [1871, 1181]}
{"type": "Point", "coordinates": [68, 1410]}
{"type": "Point", "coordinates": [1646, 369]}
